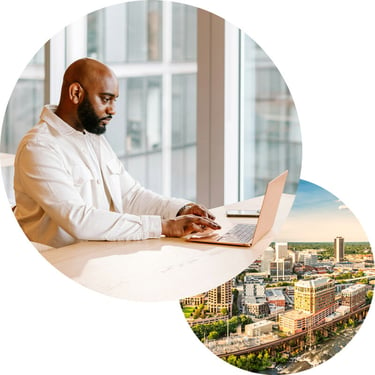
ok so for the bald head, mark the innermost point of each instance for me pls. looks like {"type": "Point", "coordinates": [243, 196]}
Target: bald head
{"type": "Point", "coordinates": [89, 86]}
{"type": "Point", "coordinates": [86, 71]}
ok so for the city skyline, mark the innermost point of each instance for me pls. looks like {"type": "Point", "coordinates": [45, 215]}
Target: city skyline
{"type": "Point", "coordinates": [319, 216]}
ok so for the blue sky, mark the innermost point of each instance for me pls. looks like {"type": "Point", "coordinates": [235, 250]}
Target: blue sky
{"type": "Point", "coordinates": [317, 215]}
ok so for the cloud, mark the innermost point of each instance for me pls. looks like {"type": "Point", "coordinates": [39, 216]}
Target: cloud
{"type": "Point", "coordinates": [343, 207]}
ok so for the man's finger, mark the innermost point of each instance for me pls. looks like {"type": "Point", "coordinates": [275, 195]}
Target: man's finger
{"type": "Point", "coordinates": [209, 223]}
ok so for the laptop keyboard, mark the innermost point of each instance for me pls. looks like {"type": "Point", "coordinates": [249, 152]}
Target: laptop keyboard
{"type": "Point", "coordinates": [241, 233]}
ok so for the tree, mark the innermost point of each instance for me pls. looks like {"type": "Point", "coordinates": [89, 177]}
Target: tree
{"type": "Point", "coordinates": [242, 362]}
{"type": "Point", "coordinates": [232, 360]}
{"type": "Point", "coordinates": [224, 311]}
{"type": "Point", "coordinates": [369, 296]}
{"type": "Point", "coordinates": [213, 335]}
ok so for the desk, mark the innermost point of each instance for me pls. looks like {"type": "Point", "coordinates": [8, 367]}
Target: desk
{"type": "Point", "coordinates": [165, 268]}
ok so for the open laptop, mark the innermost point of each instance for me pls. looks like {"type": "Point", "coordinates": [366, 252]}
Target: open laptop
{"type": "Point", "coordinates": [244, 234]}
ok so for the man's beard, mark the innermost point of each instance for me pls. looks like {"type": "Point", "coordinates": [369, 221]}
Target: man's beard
{"type": "Point", "coordinates": [88, 118]}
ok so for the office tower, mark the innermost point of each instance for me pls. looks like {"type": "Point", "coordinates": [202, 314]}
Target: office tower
{"type": "Point", "coordinates": [314, 296]}
{"type": "Point", "coordinates": [281, 250]}
{"type": "Point", "coordinates": [293, 255]}
{"type": "Point", "coordinates": [339, 249]}
{"type": "Point", "coordinates": [281, 268]}
{"type": "Point", "coordinates": [267, 258]}
{"type": "Point", "coordinates": [220, 298]}
{"type": "Point", "coordinates": [314, 300]}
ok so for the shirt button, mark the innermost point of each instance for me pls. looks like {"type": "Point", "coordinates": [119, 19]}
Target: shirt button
{"type": "Point", "coordinates": [98, 181]}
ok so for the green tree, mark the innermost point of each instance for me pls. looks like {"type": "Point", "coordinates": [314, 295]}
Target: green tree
{"type": "Point", "coordinates": [369, 296]}
{"type": "Point", "coordinates": [232, 359]}
{"type": "Point", "coordinates": [213, 335]}
{"type": "Point", "coordinates": [242, 362]}
{"type": "Point", "coordinates": [224, 311]}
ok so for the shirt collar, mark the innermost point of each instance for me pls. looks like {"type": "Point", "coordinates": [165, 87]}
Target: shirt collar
{"type": "Point", "coordinates": [48, 115]}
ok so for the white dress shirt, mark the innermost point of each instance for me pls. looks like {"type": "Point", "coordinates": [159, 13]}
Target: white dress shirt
{"type": "Point", "coordinates": [71, 186]}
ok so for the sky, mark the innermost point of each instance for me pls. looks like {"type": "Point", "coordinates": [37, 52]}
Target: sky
{"type": "Point", "coordinates": [319, 216]}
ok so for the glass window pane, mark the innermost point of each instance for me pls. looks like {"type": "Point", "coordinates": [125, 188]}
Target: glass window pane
{"type": "Point", "coordinates": [128, 32]}
{"type": "Point", "coordinates": [155, 30]}
{"type": "Point", "coordinates": [135, 125]}
{"type": "Point", "coordinates": [95, 35]}
{"type": "Point", "coordinates": [115, 21]}
{"type": "Point", "coordinates": [153, 114]}
{"type": "Point", "coordinates": [137, 31]}
{"type": "Point", "coordinates": [143, 134]}
{"type": "Point", "coordinates": [272, 140]}
{"type": "Point", "coordinates": [144, 31]}
{"type": "Point", "coordinates": [155, 172]}
{"type": "Point", "coordinates": [184, 33]}
{"type": "Point", "coordinates": [22, 113]}
{"type": "Point", "coordinates": [184, 135]}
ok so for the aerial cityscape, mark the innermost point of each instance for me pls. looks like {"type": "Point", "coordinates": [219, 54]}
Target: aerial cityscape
{"type": "Point", "coordinates": [295, 307]}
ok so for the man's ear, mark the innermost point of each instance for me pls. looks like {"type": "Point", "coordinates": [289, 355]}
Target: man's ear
{"type": "Point", "coordinates": [75, 92]}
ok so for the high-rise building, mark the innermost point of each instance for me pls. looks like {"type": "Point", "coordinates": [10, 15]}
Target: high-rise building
{"type": "Point", "coordinates": [220, 298]}
{"type": "Point", "coordinates": [281, 250]}
{"type": "Point", "coordinates": [267, 258]}
{"type": "Point", "coordinates": [339, 249]}
{"type": "Point", "coordinates": [281, 268]}
{"type": "Point", "coordinates": [314, 295]}
{"type": "Point", "coordinates": [314, 300]}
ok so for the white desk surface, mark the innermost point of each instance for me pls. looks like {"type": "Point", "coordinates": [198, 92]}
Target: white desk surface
{"type": "Point", "coordinates": [162, 269]}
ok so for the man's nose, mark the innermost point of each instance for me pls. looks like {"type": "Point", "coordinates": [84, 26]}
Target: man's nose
{"type": "Point", "coordinates": [111, 109]}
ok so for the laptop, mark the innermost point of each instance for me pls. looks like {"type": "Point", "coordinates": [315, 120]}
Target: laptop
{"type": "Point", "coordinates": [245, 234]}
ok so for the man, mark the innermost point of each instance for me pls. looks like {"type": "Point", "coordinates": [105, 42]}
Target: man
{"type": "Point", "coordinates": [69, 184]}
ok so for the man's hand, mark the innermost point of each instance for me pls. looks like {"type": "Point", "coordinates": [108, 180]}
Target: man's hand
{"type": "Point", "coordinates": [187, 224]}
{"type": "Point", "coordinates": [195, 209]}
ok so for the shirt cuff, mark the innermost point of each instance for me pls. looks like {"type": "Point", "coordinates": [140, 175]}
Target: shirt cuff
{"type": "Point", "coordinates": [151, 226]}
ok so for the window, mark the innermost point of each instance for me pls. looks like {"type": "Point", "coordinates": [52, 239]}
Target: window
{"type": "Point", "coordinates": [152, 48]}
{"type": "Point", "coordinates": [22, 110]}
{"type": "Point", "coordinates": [271, 140]}
{"type": "Point", "coordinates": [250, 122]}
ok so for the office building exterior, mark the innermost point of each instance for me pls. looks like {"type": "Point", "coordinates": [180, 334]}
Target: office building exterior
{"type": "Point", "coordinates": [257, 306]}
{"type": "Point", "coordinates": [267, 257]}
{"type": "Point", "coordinates": [339, 249]}
{"type": "Point", "coordinates": [314, 295]}
{"type": "Point", "coordinates": [314, 300]}
{"type": "Point", "coordinates": [354, 296]}
{"type": "Point", "coordinates": [220, 298]}
{"type": "Point", "coordinates": [254, 287]}
{"type": "Point", "coordinates": [254, 297]}
{"type": "Point", "coordinates": [281, 250]}
{"type": "Point", "coordinates": [281, 268]}
{"type": "Point", "coordinates": [310, 260]}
